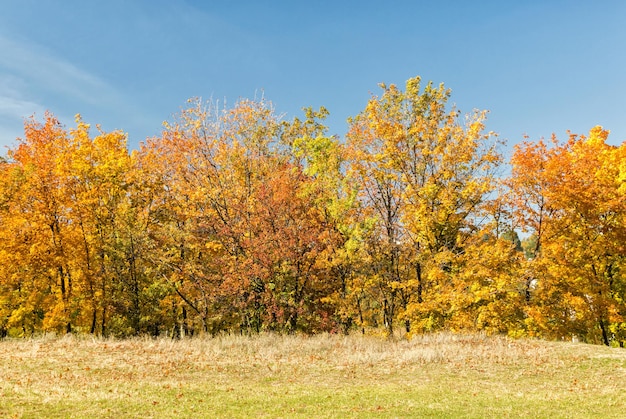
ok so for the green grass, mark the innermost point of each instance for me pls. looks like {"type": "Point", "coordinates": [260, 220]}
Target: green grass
{"type": "Point", "coordinates": [440, 375]}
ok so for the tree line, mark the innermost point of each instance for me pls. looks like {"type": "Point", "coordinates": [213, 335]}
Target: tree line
{"type": "Point", "coordinates": [233, 220]}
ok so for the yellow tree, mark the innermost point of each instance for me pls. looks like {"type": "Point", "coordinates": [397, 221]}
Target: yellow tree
{"type": "Point", "coordinates": [332, 194]}
{"type": "Point", "coordinates": [371, 163]}
{"type": "Point", "coordinates": [99, 183]}
{"type": "Point", "coordinates": [71, 254]}
{"type": "Point", "coordinates": [424, 173]}
{"type": "Point", "coordinates": [38, 276]}
{"type": "Point", "coordinates": [490, 286]}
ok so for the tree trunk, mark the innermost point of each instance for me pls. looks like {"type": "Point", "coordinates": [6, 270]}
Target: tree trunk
{"type": "Point", "coordinates": [94, 319]}
{"type": "Point", "coordinates": [388, 312]}
{"type": "Point", "coordinates": [605, 337]}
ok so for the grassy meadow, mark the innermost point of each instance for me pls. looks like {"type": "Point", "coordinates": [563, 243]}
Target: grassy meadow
{"type": "Point", "coordinates": [439, 375]}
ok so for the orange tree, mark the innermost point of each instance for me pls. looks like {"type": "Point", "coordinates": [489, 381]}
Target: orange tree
{"type": "Point", "coordinates": [238, 233]}
{"type": "Point", "coordinates": [570, 197]}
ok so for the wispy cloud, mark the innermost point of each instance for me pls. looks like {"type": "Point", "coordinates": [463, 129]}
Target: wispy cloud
{"type": "Point", "coordinates": [37, 66]}
{"type": "Point", "coordinates": [13, 104]}
{"type": "Point", "coordinates": [8, 134]}
{"type": "Point", "coordinates": [32, 80]}
{"type": "Point", "coordinates": [14, 108]}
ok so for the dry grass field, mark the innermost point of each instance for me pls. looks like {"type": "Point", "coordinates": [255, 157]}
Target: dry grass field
{"type": "Point", "coordinates": [441, 375]}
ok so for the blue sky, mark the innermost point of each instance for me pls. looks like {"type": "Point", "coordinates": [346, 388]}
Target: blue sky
{"type": "Point", "coordinates": [538, 66]}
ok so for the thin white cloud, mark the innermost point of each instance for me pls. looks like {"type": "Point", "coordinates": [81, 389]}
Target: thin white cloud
{"type": "Point", "coordinates": [33, 80]}
{"type": "Point", "coordinates": [13, 103]}
{"type": "Point", "coordinates": [14, 107]}
{"type": "Point", "coordinates": [38, 67]}
{"type": "Point", "coordinates": [18, 108]}
{"type": "Point", "coordinates": [8, 137]}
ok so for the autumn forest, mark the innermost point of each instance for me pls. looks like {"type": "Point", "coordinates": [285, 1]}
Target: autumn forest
{"type": "Point", "coordinates": [235, 220]}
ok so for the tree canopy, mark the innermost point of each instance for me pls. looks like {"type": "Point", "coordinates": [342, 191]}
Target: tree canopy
{"type": "Point", "coordinates": [237, 220]}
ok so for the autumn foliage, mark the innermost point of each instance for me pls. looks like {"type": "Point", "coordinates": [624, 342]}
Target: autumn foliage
{"type": "Point", "coordinates": [235, 220]}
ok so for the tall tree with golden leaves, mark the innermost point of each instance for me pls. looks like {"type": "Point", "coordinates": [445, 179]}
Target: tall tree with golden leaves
{"type": "Point", "coordinates": [424, 174]}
